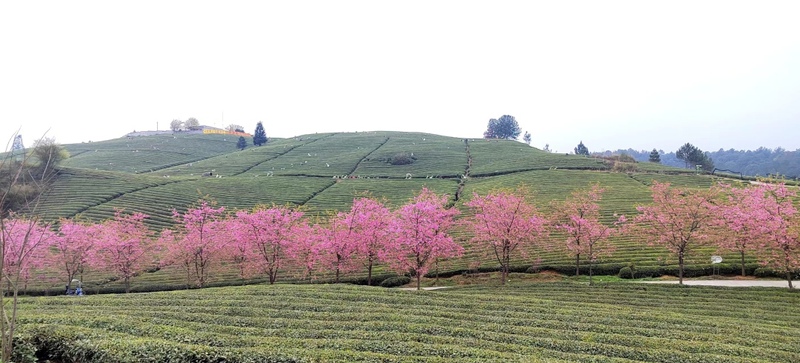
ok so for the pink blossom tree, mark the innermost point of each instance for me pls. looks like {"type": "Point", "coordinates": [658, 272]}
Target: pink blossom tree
{"type": "Point", "coordinates": [781, 247]}
{"type": "Point", "coordinates": [678, 219]}
{"type": "Point", "coordinates": [505, 222]}
{"type": "Point", "coordinates": [373, 221]}
{"type": "Point", "coordinates": [420, 234]}
{"type": "Point", "coordinates": [267, 234]}
{"type": "Point", "coordinates": [123, 246]}
{"type": "Point", "coordinates": [578, 218]}
{"type": "Point", "coordinates": [73, 246]}
{"type": "Point", "coordinates": [25, 249]}
{"type": "Point", "coordinates": [199, 242]}
{"type": "Point", "coordinates": [742, 220]}
{"type": "Point", "coordinates": [340, 243]}
{"type": "Point", "coordinates": [306, 251]}
{"type": "Point", "coordinates": [23, 244]}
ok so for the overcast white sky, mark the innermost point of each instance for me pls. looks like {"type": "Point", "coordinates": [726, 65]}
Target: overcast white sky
{"type": "Point", "coordinates": [614, 74]}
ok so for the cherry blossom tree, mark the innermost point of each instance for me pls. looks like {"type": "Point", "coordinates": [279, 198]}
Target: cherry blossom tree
{"type": "Point", "coordinates": [24, 242]}
{"type": "Point", "coordinates": [678, 219]}
{"type": "Point", "coordinates": [123, 246]}
{"type": "Point", "coordinates": [781, 248]}
{"type": "Point", "coordinates": [199, 242]}
{"type": "Point", "coordinates": [72, 247]}
{"type": "Point", "coordinates": [578, 218]}
{"type": "Point", "coordinates": [742, 220]}
{"type": "Point", "coordinates": [340, 243]}
{"type": "Point", "coordinates": [373, 221]}
{"type": "Point", "coordinates": [306, 251]}
{"type": "Point", "coordinates": [420, 235]}
{"type": "Point", "coordinates": [506, 223]}
{"type": "Point", "coordinates": [267, 234]}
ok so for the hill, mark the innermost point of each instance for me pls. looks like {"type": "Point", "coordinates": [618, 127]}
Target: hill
{"type": "Point", "coordinates": [324, 172]}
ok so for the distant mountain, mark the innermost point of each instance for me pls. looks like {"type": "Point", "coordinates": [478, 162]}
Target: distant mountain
{"type": "Point", "coordinates": [759, 162]}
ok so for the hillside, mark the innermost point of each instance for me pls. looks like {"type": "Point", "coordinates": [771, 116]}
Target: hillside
{"type": "Point", "coordinates": [324, 172]}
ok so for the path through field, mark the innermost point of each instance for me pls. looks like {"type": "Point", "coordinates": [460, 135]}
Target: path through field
{"type": "Point", "coordinates": [734, 283]}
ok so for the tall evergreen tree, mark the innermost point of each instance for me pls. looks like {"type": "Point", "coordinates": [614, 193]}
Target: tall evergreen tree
{"type": "Point", "coordinates": [581, 149]}
{"type": "Point", "coordinates": [655, 157]}
{"type": "Point", "coordinates": [259, 137]}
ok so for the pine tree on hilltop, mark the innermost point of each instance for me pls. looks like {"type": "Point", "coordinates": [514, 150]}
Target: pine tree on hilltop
{"type": "Point", "coordinates": [581, 149]}
{"type": "Point", "coordinates": [655, 157]}
{"type": "Point", "coordinates": [259, 137]}
{"type": "Point", "coordinates": [242, 143]}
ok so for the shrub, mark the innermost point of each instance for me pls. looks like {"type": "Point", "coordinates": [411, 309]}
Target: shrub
{"type": "Point", "coordinates": [395, 281]}
{"type": "Point", "coordinates": [626, 273]}
{"type": "Point", "coordinates": [765, 272]}
{"type": "Point", "coordinates": [402, 159]}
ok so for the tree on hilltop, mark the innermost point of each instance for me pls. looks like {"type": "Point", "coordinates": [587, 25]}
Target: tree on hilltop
{"type": "Point", "coordinates": [691, 156]}
{"type": "Point", "coordinates": [654, 157]}
{"type": "Point", "coordinates": [527, 138]}
{"type": "Point", "coordinates": [191, 122]}
{"type": "Point", "coordinates": [259, 137]}
{"type": "Point", "coordinates": [504, 128]}
{"type": "Point", "coordinates": [176, 125]}
{"type": "Point", "coordinates": [242, 143]}
{"type": "Point", "coordinates": [581, 149]}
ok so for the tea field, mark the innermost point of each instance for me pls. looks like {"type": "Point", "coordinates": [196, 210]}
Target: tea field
{"type": "Point", "coordinates": [526, 322]}
{"type": "Point", "coordinates": [322, 173]}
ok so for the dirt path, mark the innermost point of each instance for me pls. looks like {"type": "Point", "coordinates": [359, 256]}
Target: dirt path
{"type": "Point", "coordinates": [734, 283]}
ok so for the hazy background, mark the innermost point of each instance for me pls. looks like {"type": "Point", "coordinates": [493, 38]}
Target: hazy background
{"type": "Point", "coordinates": [614, 74]}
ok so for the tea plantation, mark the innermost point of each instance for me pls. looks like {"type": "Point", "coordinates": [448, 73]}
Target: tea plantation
{"type": "Point", "coordinates": [321, 173]}
{"type": "Point", "coordinates": [529, 322]}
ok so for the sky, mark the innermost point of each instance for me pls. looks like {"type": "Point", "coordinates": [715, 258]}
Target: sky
{"type": "Point", "coordinates": [613, 74]}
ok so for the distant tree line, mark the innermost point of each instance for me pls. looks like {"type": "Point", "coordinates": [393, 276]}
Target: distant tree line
{"type": "Point", "coordinates": [760, 162]}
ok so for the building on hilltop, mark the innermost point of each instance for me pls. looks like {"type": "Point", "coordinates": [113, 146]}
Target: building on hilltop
{"type": "Point", "coordinates": [201, 129]}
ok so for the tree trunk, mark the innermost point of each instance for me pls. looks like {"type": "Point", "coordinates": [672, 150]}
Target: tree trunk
{"type": "Point", "coordinates": [591, 264]}
{"type": "Point", "coordinates": [680, 267]}
{"type": "Point", "coordinates": [418, 282]}
{"type": "Point", "coordinates": [578, 264]}
{"type": "Point", "coordinates": [789, 278]}
{"type": "Point", "coordinates": [744, 273]}
{"type": "Point", "coordinates": [369, 274]}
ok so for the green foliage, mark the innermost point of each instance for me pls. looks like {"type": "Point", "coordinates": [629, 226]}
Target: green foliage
{"type": "Point", "coordinates": [402, 159]}
{"type": "Point", "coordinates": [259, 136]}
{"type": "Point", "coordinates": [395, 281]}
{"type": "Point", "coordinates": [242, 143]}
{"type": "Point", "coordinates": [504, 128]}
{"type": "Point", "coordinates": [655, 157]}
{"type": "Point", "coordinates": [581, 149]}
{"type": "Point", "coordinates": [692, 156]}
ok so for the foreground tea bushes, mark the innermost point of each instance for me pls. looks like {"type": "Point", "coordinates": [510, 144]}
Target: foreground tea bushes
{"type": "Point", "coordinates": [553, 322]}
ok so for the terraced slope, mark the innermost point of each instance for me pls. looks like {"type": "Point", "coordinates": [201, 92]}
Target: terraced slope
{"type": "Point", "coordinates": [145, 154]}
{"type": "Point", "coordinates": [324, 172]}
{"type": "Point", "coordinates": [545, 322]}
